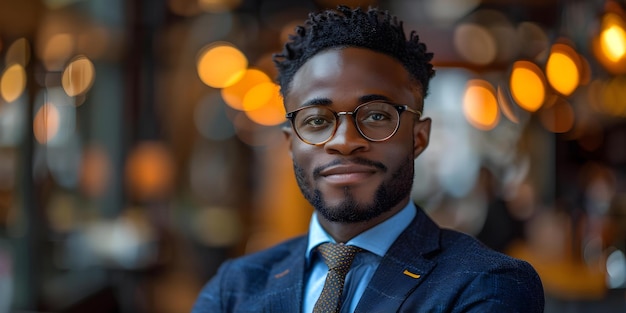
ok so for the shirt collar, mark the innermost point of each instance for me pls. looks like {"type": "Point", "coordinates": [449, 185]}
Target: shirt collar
{"type": "Point", "coordinates": [376, 240]}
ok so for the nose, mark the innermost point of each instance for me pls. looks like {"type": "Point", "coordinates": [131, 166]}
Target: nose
{"type": "Point", "coordinates": [347, 139]}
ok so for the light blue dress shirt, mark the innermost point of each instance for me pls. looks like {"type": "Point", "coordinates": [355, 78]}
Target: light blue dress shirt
{"type": "Point", "coordinates": [376, 241]}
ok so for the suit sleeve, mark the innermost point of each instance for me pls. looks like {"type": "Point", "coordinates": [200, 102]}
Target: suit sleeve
{"type": "Point", "coordinates": [514, 287]}
{"type": "Point", "coordinates": [210, 299]}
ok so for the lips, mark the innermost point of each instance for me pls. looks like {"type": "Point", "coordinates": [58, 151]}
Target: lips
{"type": "Point", "coordinates": [346, 174]}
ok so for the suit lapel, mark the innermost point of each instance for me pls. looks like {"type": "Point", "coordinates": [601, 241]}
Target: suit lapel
{"type": "Point", "coordinates": [403, 268]}
{"type": "Point", "coordinates": [286, 280]}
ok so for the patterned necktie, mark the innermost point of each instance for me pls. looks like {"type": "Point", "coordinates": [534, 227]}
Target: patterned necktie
{"type": "Point", "coordinates": [339, 258]}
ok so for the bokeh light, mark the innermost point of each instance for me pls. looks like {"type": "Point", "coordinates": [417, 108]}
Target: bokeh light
{"type": "Point", "coordinates": [475, 43]}
{"type": "Point", "coordinates": [18, 52]}
{"type": "Point", "coordinates": [221, 65]}
{"type": "Point", "coordinates": [150, 171]}
{"type": "Point", "coordinates": [57, 50]}
{"type": "Point", "coordinates": [449, 10]}
{"type": "Point", "coordinates": [563, 69]}
{"type": "Point", "coordinates": [585, 70]}
{"type": "Point", "coordinates": [234, 95]}
{"type": "Point", "coordinates": [535, 39]}
{"type": "Point", "coordinates": [609, 46]}
{"type": "Point", "coordinates": [616, 269]}
{"type": "Point", "coordinates": [527, 85]}
{"type": "Point", "coordinates": [46, 123]}
{"type": "Point", "coordinates": [558, 118]}
{"type": "Point", "coordinates": [95, 171]}
{"type": "Point", "coordinates": [613, 38]}
{"type": "Point", "coordinates": [505, 105]}
{"type": "Point", "coordinates": [259, 95]}
{"type": "Point", "coordinates": [264, 105]}
{"type": "Point", "coordinates": [78, 76]}
{"type": "Point", "coordinates": [480, 105]}
{"type": "Point", "coordinates": [12, 82]}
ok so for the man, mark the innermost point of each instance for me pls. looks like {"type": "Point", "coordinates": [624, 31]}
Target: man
{"type": "Point", "coordinates": [354, 87]}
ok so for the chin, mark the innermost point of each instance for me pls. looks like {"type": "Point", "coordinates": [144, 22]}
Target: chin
{"type": "Point", "coordinates": [348, 209]}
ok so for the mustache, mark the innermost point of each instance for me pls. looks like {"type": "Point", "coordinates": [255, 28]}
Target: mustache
{"type": "Point", "coordinates": [356, 160]}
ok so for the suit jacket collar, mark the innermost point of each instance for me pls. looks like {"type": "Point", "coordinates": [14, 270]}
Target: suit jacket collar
{"type": "Point", "coordinates": [403, 268]}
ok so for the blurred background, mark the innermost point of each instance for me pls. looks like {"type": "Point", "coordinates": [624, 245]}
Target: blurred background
{"type": "Point", "coordinates": [140, 143]}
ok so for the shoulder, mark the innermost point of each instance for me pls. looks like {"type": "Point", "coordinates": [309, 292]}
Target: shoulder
{"type": "Point", "coordinates": [467, 251]}
{"type": "Point", "coordinates": [246, 279]}
{"type": "Point", "coordinates": [490, 276]}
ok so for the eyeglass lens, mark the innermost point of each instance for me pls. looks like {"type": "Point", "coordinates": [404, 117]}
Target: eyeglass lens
{"type": "Point", "coordinates": [375, 121]}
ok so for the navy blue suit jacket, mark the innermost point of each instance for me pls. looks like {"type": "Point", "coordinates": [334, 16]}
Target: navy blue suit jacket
{"type": "Point", "coordinates": [427, 269]}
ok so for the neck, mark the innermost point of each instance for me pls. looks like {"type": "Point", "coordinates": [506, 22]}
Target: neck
{"type": "Point", "coordinates": [343, 232]}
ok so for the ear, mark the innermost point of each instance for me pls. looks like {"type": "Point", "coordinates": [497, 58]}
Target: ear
{"type": "Point", "coordinates": [421, 136]}
{"type": "Point", "coordinates": [288, 132]}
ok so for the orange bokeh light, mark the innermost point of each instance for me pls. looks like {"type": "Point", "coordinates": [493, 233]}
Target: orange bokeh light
{"type": "Point", "coordinates": [505, 105]}
{"type": "Point", "coordinates": [221, 65]}
{"type": "Point", "coordinates": [95, 170]}
{"type": "Point", "coordinates": [18, 52]}
{"type": "Point", "coordinates": [57, 50]}
{"type": "Point", "coordinates": [563, 69]}
{"type": "Point", "coordinates": [234, 95]}
{"type": "Point", "coordinates": [12, 82]}
{"type": "Point", "coordinates": [480, 105]}
{"type": "Point", "coordinates": [609, 46]}
{"type": "Point", "coordinates": [150, 171]}
{"type": "Point", "coordinates": [264, 105]}
{"type": "Point", "coordinates": [559, 118]}
{"type": "Point", "coordinates": [78, 76]}
{"type": "Point", "coordinates": [46, 123]}
{"type": "Point", "coordinates": [527, 84]}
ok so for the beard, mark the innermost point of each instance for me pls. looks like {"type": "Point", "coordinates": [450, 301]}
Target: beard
{"type": "Point", "coordinates": [390, 192]}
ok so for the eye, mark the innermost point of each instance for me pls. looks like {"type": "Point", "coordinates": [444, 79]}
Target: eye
{"type": "Point", "coordinates": [376, 116]}
{"type": "Point", "coordinates": [316, 121]}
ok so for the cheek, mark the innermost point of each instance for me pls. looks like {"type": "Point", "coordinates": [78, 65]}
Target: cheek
{"type": "Point", "coordinates": [304, 155]}
{"type": "Point", "coordinates": [401, 144]}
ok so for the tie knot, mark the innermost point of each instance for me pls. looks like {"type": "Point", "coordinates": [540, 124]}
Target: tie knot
{"type": "Point", "coordinates": [338, 257]}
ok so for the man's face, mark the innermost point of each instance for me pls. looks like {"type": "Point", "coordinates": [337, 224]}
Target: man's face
{"type": "Point", "coordinates": [350, 179]}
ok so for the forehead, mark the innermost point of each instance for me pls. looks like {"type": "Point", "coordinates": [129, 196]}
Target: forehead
{"type": "Point", "coordinates": [346, 75]}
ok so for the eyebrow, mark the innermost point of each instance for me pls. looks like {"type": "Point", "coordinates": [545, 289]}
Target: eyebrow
{"type": "Point", "coordinates": [362, 99]}
{"type": "Point", "coordinates": [373, 97]}
{"type": "Point", "coordinates": [317, 101]}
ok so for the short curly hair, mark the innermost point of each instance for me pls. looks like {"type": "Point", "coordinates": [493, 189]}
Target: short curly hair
{"type": "Point", "coordinates": [373, 29]}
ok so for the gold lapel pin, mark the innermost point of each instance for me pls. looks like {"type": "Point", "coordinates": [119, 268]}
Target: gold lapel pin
{"type": "Point", "coordinates": [412, 275]}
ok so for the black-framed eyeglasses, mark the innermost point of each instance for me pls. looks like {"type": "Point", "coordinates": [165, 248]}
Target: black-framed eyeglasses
{"type": "Point", "coordinates": [375, 121]}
